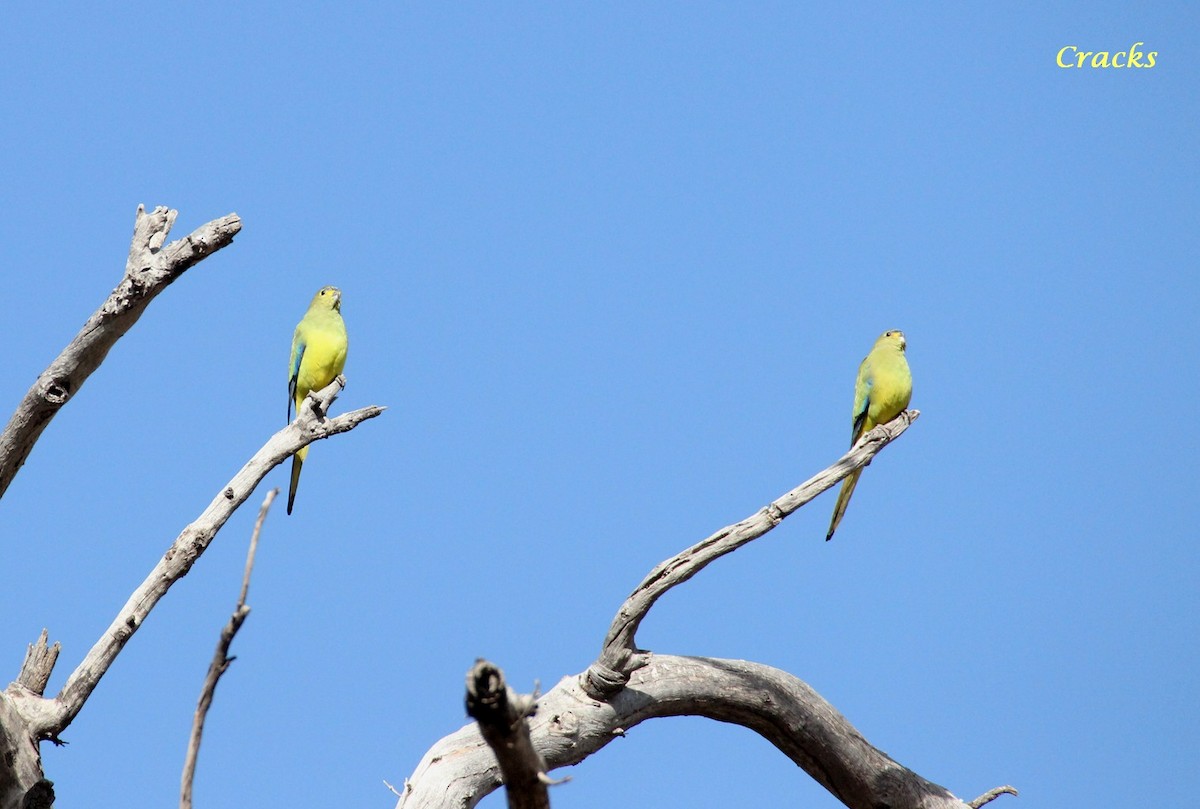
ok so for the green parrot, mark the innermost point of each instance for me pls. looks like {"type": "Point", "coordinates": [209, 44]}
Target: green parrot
{"type": "Point", "coordinates": [882, 391]}
{"type": "Point", "coordinates": [318, 356]}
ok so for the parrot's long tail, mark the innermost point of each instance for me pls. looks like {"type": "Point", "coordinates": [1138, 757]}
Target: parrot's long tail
{"type": "Point", "coordinates": [838, 510]}
{"type": "Point", "coordinates": [297, 464]}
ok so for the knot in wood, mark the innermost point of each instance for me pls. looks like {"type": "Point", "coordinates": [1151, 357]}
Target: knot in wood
{"type": "Point", "coordinates": [601, 682]}
{"type": "Point", "coordinates": [135, 289]}
{"type": "Point", "coordinates": [40, 795]}
{"type": "Point", "coordinates": [485, 682]}
{"type": "Point", "coordinates": [565, 724]}
{"type": "Point", "coordinates": [57, 390]}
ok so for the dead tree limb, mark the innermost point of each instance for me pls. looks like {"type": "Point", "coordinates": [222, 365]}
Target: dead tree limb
{"type": "Point", "coordinates": [619, 656]}
{"type": "Point", "coordinates": [221, 661]}
{"type": "Point", "coordinates": [626, 686]}
{"type": "Point", "coordinates": [22, 783]}
{"type": "Point", "coordinates": [570, 725]}
{"type": "Point", "coordinates": [503, 718]}
{"type": "Point", "coordinates": [148, 271]}
{"type": "Point", "coordinates": [44, 718]}
{"type": "Point", "coordinates": [39, 663]}
{"type": "Point", "coordinates": [309, 426]}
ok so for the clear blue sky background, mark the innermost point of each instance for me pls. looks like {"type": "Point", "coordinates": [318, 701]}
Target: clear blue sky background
{"type": "Point", "coordinates": [612, 268]}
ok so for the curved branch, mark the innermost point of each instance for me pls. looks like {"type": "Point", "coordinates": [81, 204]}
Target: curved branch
{"type": "Point", "coordinates": [991, 795]}
{"type": "Point", "coordinates": [620, 656]}
{"type": "Point", "coordinates": [570, 725]}
{"type": "Point", "coordinates": [48, 717]}
{"type": "Point", "coordinates": [148, 271]}
{"type": "Point", "coordinates": [625, 686]}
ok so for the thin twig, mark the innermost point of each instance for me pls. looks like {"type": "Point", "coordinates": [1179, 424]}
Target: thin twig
{"type": "Point", "coordinates": [221, 661]}
{"type": "Point", "coordinates": [991, 795]}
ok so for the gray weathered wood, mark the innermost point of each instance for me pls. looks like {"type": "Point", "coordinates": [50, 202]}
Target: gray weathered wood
{"type": "Point", "coordinates": [39, 718]}
{"type": "Point", "coordinates": [309, 426]}
{"type": "Point", "coordinates": [620, 656]}
{"type": "Point", "coordinates": [149, 269]}
{"type": "Point", "coordinates": [626, 686]}
{"type": "Point", "coordinates": [39, 663]}
{"type": "Point", "coordinates": [503, 717]}
{"type": "Point", "coordinates": [21, 775]}
{"type": "Point", "coordinates": [991, 795]}
{"type": "Point", "coordinates": [570, 725]}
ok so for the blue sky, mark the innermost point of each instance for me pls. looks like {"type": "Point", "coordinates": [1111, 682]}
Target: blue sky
{"type": "Point", "coordinates": [612, 269]}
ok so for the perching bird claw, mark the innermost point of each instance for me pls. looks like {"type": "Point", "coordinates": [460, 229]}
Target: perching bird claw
{"type": "Point", "coordinates": [318, 409]}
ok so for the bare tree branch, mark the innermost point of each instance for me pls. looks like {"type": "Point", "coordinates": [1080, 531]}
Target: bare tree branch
{"type": "Point", "coordinates": [503, 718]}
{"type": "Point", "coordinates": [22, 783]}
{"type": "Point", "coordinates": [39, 662]}
{"type": "Point", "coordinates": [620, 656]}
{"type": "Point", "coordinates": [148, 271]}
{"type": "Point", "coordinates": [570, 725]}
{"type": "Point", "coordinates": [625, 686]}
{"type": "Point", "coordinates": [221, 661]}
{"type": "Point", "coordinates": [48, 717]}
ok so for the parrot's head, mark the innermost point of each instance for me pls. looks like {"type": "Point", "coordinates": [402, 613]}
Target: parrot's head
{"type": "Point", "coordinates": [895, 337]}
{"type": "Point", "coordinates": [328, 298]}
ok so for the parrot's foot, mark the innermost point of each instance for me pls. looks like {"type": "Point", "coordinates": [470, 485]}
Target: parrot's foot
{"type": "Point", "coordinates": [318, 410]}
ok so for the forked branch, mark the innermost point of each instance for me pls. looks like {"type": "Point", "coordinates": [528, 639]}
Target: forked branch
{"type": "Point", "coordinates": [583, 713]}
{"type": "Point", "coordinates": [148, 271]}
{"type": "Point", "coordinates": [48, 717]}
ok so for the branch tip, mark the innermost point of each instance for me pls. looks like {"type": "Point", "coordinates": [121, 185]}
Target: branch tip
{"type": "Point", "coordinates": [991, 795]}
{"type": "Point", "coordinates": [502, 718]}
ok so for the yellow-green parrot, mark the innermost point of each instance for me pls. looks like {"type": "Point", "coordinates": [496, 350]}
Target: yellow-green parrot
{"type": "Point", "coordinates": [882, 391]}
{"type": "Point", "coordinates": [318, 356]}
